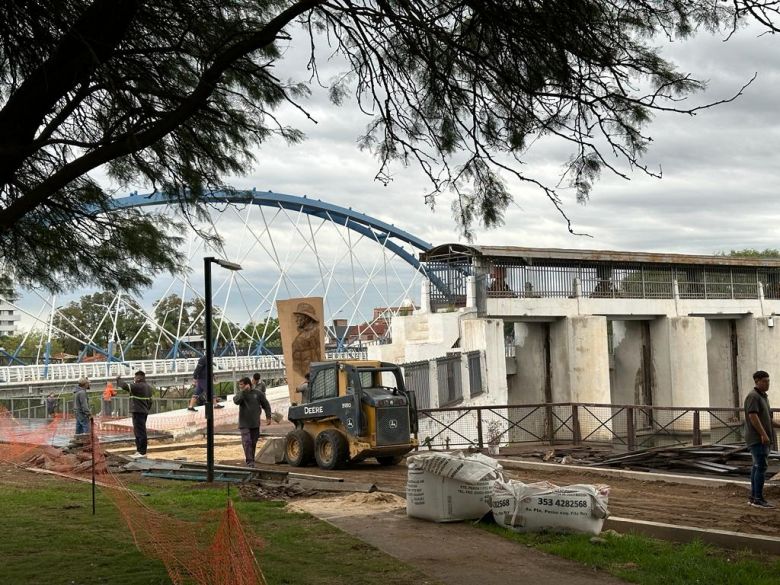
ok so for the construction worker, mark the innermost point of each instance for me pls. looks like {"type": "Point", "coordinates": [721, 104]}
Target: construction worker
{"type": "Point", "coordinates": [81, 407]}
{"type": "Point", "coordinates": [140, 405]}
{"type": "Point", "coordinates": [250, 401]}
{"type": "Point", "coordinates": [199, 377]}
{"type": "Point", "coordinates": [108, 399]}
{"type": "Point", "coordinates": [52, 402]}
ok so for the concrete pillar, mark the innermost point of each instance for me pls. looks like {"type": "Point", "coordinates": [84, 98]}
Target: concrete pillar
{"type": "Point", "coordinates": [433, 382]}
{"type": "Point", "coordinates": [759, 349]}
{"type": "Point", "coordinates": [471, 292]}
{"type": "Point", "coordinates": [628, 374]}
{"type": "Point", "coordinates": [580, 362]}
{"type": "Point", "coordinates": [679, 346]}
{"type": "Point", "coordinates": [580, 370]}
{"type": "Point", "coordinates": [577, 287]}
{"type": "Point", "coordinates": [425, 297]}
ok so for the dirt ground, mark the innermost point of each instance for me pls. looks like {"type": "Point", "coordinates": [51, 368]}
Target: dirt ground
{"type": "Point", "coordinates": [722, 507]}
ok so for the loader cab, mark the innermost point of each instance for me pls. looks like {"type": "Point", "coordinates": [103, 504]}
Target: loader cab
{"type": "Point", "coordinates": [336, 379]}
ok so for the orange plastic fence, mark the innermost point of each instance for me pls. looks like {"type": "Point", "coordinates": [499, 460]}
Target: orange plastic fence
{"type": "Point", "coordinates": [216, 550]}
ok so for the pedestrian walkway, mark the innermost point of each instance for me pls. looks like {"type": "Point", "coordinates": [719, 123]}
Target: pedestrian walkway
{"type": "Point", "coordinates": [460, 554]}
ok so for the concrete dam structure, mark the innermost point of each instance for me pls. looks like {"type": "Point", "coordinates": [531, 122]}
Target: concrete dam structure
{"type": "Point", "coordinates": [598, 327]}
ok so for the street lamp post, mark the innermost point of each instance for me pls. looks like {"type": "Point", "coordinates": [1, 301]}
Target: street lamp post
{"type": "Point", "coordinates": [207, 262]}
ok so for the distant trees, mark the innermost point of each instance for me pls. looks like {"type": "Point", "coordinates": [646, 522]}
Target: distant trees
{"type": "Point", "coordinates": [28, 347]}
{"type": "Point", "coordinates": [751, 253]}
{"type": "Point", "coordinates": [102, 320]}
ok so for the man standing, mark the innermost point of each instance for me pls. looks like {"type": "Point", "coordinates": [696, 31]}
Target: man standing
{"type": "Point", "coordinates": [759, 436]}
{"type": "Point", "coordinates": [51, 405]}
{"type": "Point", "coordinates": [108, 398]}
{"type": "Point", "coordinates": [140, 405]}
{"type": "Point", "coordinates": [258, 383]}
{"type": "Point", "coordinates": [81, 407]}
{"type": "Point", "coordinates": [199, 377]}
{"type": "Point", "coordinates": [250, 400]}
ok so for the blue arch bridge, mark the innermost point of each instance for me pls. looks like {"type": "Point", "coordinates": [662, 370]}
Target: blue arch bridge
{"type": "Point", "coordinates": [237, 357]}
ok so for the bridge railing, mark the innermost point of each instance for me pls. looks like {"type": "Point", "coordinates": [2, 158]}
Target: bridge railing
{"type": "Point", "coordinates": [72, 372]}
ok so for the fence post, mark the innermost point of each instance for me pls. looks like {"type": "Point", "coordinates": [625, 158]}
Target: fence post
{"type": "Point", "coordinates": [630, 430]}
{"type": "Point", "coordinates": [480, 442]}
{"type": "Point", "coordinates": [696, 428]}
{"type": "Point", "coordinates": [548, 422]}
{"type": "Point", "coordinates": [575, 424]}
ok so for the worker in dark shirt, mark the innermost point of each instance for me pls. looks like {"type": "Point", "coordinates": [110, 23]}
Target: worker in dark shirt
{"type": "Point", "coordinates": [250, 400]}
{"type": "Point", "coordinates": [140, 405]}
{"type": "Point", "coordinates": [759, 436]}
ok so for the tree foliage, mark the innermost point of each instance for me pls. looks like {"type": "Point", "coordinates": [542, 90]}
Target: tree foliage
{"type": "Point", "coordinates": [752, 253]}
{"type": "Point", "coordinates": [102, 320]}
{"type": "Point", "coordinates": [175, 95]}
{"type": "Point", "coordinates": [28, 348]}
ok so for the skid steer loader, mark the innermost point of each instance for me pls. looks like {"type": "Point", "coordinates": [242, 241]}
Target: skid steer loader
{"type": "Point", "coordinates": [352, 410]}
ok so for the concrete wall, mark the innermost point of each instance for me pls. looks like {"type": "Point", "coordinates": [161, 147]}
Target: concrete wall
{"type": "Point", "coordinates": [527, 385]}
{"type": "Point", "coordinates": [759, 349]}
{"type": "Point", "coordinates": [564, 307]}
{"type": "Point", "coordinates": [627, 351]}
{"type": "Point", "coordinates": [420, 337]}
{"type": "Point", "coordinates": [488, 335]}
{"type": "Point", "coordinates": [719, 362]}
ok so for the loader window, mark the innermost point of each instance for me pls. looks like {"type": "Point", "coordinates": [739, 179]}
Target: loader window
{"type": "Point", "coordinates": [366, 379]}
{"type": "Point", "coordinates": [324, 385]}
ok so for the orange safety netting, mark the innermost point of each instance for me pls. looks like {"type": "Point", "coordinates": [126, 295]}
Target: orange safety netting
{"type": "Point", "coordinates": [216, 550]}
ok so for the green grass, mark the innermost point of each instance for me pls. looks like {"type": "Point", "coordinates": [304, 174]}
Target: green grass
{"type": "Point", "coordinates": [647, 561]}
{"type": "Point", "coordinates": [50, 537]}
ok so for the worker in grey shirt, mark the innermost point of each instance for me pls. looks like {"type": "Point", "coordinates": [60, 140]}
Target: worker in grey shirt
{"type": "Point", "coordinates": [250, 400]}
{"type": "Point", "coordinates": [81, 407]}
{"type": "Point", "coordinates": [759, 436]}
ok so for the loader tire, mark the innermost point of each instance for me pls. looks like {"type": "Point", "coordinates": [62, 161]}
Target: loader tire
{"type": "Point", "coordinates": [299, 450]}
{"type": "Point", "coordinates": [330, 449]}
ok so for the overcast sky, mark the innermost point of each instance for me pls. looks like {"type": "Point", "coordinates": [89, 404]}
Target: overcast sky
{"type": "Point", "coordinates": [718, 191]}
{"type": "Point", "coordinates": [720, 170]}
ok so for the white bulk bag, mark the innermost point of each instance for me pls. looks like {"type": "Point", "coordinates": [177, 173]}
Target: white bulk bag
{"type": "Point", "coordinates": [449, 487]}
{"type": "Point", "coordinates": [544, 506]}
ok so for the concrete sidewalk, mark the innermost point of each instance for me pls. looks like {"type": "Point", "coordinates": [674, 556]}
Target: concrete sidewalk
{"type": "Point", "coordinates": [459, 554]}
